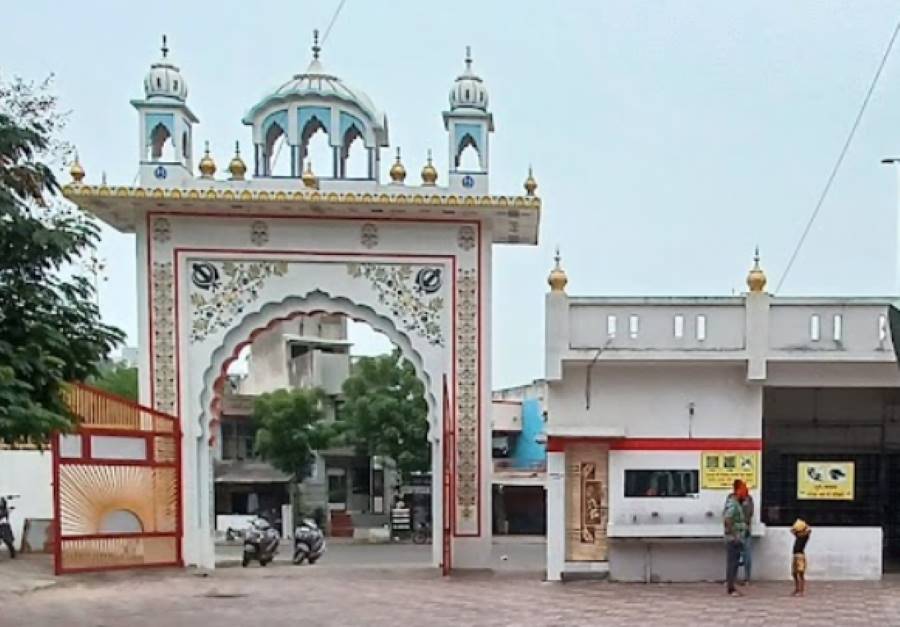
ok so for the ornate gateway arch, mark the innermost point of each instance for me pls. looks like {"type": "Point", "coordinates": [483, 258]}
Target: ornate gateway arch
{"type": "Point", "coordinates": [219, 260]}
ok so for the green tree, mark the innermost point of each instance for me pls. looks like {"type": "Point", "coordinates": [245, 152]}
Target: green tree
{"type": "Point", "coordinates": [384, 413]}
{"type": "Point", "coordinates": [50, 326]}
{"type": "Point", "coordinates": [118, 379]}
{"type": "Point", "coordinates": [290, 427]}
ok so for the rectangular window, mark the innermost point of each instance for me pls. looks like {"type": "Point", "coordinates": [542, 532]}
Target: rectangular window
{"type": "Point", "coordinates": [610, 326]}
{"type": "Point", "coordinates": [679, 326]}
{"type": "Point", "coordinates": [838, 330]}
{"type": "Point", "coordinates": [662, 483]}
{"type": "Point", "coordinates": [633, 322]}
{"type": "Point", "coordinates": [814, 328]}
{"type": "Point", "coordinates": [701, 327]}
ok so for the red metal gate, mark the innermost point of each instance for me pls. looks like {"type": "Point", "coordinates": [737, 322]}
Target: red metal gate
{"type": "Point", "coordinates": [449, 465]}
{"type": "Point", "coordinates": [116, 486]}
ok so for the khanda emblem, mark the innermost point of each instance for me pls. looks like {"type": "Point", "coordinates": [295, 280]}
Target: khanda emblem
{"type": "Point", "coordinates": [205, 275]}
{"type": "Point", "coordinates": [428, 280]}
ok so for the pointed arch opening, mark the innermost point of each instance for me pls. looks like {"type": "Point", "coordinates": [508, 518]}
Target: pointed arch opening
{"type": "Point", "coordinates": [162, 147]}
{"type": "Point", "coordinates": [354, 155]}
{"type": "Point", "coordinates": [278, 151]}
{"type": "Point", "coordinates": [468, 155]}
{"type": "Point", "coordinates": [316, 149]}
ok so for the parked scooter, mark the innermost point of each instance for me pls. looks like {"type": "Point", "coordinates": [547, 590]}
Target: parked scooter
{"type": "Point", "coordinates": [309, 542]}
{"type": "Point", "coordinates": [6, 534]}
{"type": "Point", "coordinates": [260, 543]}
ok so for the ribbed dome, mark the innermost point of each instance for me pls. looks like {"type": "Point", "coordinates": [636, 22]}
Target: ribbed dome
{"type": "Point", "coordinates": [164, 79]}
{"type": "Point", "coordinates": [315, 82]}
{"type": "Point", "coordinates": [468, 90]}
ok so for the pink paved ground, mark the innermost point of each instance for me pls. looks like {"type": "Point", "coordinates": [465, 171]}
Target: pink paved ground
{"type": "Point", "coordinates": [322, 595]}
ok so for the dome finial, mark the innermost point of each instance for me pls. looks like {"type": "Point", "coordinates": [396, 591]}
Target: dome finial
{"type": "Point", "coordinates": [429, 173]}
{"type": "Point", "coordinates": [557, 279]}
{"type": "Point", "coordinates": [531, 185]}
{"type": "Point", "coordinates": [165, 48]}
{"type": "Point", "coordinates": [398, 172]}
{"type": "Point", "coordinates": [756, 278]}
{"type": "Point", "coordinates": [237, 168]}
{"type": "Point", "coordinates": [468, 58]}
{"type": "Point", "coordinates": [207, 165]}
{"type": "Point", "coordinates": [316, 48]}
{"type": "Point", "coordinates": [76, 171]}
{"type": "Point", "coordinates": [310, 181]}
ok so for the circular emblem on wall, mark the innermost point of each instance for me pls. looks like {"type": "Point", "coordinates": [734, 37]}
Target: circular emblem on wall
{"type": "Point", "coordinates": [428, 280]}
{"type": "Point", "coordinates": [468, 181]}
{"type": "Point", "coordinates": [259, 233]}
{"type": "Point", "coordinates": [205, 275]}
{"type": "Point", "coordinates": [160, 172]}
{"type": "Point", "coordinates": [369, 235]}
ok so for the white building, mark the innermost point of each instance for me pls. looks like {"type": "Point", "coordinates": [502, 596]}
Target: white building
{"type": "Point", "coordinates": [656, 404]}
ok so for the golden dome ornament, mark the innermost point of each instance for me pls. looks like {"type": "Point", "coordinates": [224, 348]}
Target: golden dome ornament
{"type": "Point", "coordinates": [237, 168]}
{"type": "Point", "coordinates": [429, 173]}
{"type": "Point", "coordinates": [207, 165]}
{"type": "Point", "coordinates": [310, 181]}
{"type": "Point", "coordinates": [756, 278]}
{"type": "Point", "coordinates": [557, 279]}
{"type": "Point", "coordinates": [398, 172]}
{"type": "Point", "coordinates": [76, 171]}
{"type": "Point", "coordinates": [530, 184]}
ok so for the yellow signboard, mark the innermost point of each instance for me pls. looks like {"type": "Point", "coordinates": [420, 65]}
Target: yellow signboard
{"type": "Point", "coordinates": [825, 481]}
{"type": "Point", "coordinates": [719, 469]}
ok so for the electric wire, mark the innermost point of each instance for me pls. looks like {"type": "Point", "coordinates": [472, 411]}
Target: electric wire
{"type": "Point", "coordinates": [840, 159]}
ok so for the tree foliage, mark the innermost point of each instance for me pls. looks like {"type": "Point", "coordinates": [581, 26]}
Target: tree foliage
{"type": "Point", "coordinates": [291, 426]}
{"type": "Point", "coordinates": [50, 326]}
{"type": "Point", "coordinates": [384, 412]}
{"type": "Point", "coordinates": [119, 379]}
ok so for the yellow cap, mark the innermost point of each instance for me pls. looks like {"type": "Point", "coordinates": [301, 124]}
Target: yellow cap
{"type": "Point", "coordinates": [756, 278]}
{"type": "Point", "coordinates": [207, 165]}
{"type": "Point", "coordinates": [398, 172]}
{"type": "Point", "coordinates": [530, 184]}
{"type": "Point", "coordinates": [309, 179]}
{"type": "Point", "coordinates": [237, 168]}
{"type": "Point", "coordinates": [429, 173]}
{"type": "Point", "coordinates": [76, 171]}
{"type": "Point", "coordinates": [557, 279]}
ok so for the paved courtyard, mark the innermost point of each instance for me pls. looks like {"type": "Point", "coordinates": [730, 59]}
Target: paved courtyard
{"type": "Point", "coordinates": [365, 592]}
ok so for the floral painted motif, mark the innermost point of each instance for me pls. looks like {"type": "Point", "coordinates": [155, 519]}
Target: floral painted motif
{"type": "Point", "coordinates": [259, 233]}
{"type": "Point", "coordinates": [467, 392]}
{"type": "Point", "coordinates": [162, 230]}
{"type": "Point", "coordinates": [369, 235]}
{"type": "Point", "coordinates": [466, 238]}
{"type": "Point", "coordinates": [164, 338]}
{"type": "Point", "coordinates": [224, 289]}
{"type": "Point", "coordinates": [409, 294]}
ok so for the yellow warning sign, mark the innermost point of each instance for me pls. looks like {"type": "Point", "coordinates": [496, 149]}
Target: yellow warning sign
{"type": "Point", "coordinates": [719, 469]}
{"type": "Point", "coordinates": [825, 481]}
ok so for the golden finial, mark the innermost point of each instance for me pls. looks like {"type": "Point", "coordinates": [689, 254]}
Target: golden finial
{"type": "Point", "coordinates": [429, 173]}
{"type": "Point", "coordinates": [756, 278]}
{"type": "Point", "coordinates": [530, 183]}
{"type": "Point", "coordinates": [207, 165]}
{"type": "Point", "coordinates": [76, 171]}
{"type": "Point", "coordinates": [557, 279]}
{"type": "Point", "coordinates": [309, 179]}
{"type": "Point", "coordinates": [237, 167]}
{"type": "Point", "coordinates": [398, 172]}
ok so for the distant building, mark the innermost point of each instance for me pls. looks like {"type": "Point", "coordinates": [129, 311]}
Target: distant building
{"type": "Point", "coordinates": [302, 353]}
{"type": "Point", "coordinates": [519, 460]}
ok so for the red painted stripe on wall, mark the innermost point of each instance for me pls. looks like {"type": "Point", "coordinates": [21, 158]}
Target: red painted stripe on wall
{"type": "Point", "coordinates": [557, 444]}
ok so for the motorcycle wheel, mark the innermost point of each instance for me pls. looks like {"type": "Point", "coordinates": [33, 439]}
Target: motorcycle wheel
{"type": "Point", "coordinates": [313, 560]}
{"type": "Point", "coordinates": [245, 560]}
{"type": "Point", "coordinates": [263, 562]}
{"type": "Point", "coordinates": [299, 556]}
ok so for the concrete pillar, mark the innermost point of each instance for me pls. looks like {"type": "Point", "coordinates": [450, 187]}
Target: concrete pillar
{"type": "Point", "coordinates": [556, 333]}
{"type": "Point", "coordinates": [556, 515]}
{"type": "Point", "coordinates": [757, 334]}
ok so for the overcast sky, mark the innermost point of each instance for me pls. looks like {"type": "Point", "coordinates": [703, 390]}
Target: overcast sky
{"type": "Point", "coordinates": [668, 138]}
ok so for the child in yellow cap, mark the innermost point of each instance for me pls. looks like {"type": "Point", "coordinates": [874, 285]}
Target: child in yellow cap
{"type": "Point", "coordinates": [801, 533]}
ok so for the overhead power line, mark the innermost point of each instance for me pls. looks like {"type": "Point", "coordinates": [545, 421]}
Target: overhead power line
{"type": "Point", "coordinates": [334, 18]}
{"type": "Point", "coordinates": [840, 159]}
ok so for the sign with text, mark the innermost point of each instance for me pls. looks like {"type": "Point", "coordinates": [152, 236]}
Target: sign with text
{"type": "Point", "coordinates": [719, 469]}
{"type": "Point", "coordinates": [825, 481]}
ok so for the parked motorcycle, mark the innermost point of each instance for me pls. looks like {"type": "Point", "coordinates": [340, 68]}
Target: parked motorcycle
{"type": "Point", "coordinates": [6, 534]}
{"type": "Point", "coordinates": [260, 543]}
{"type": "Point", "coordinates": [309, 542]}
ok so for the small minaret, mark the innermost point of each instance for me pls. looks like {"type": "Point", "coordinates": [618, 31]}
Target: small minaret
{"type": "Point", "coordinates": [556, 329]}
{"type": "Point", "coordinates": [757, 303]}
{"type": "Point", "coordinates": [165, 125]}
{"type": "Point", "coordinates": [469, 124]}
